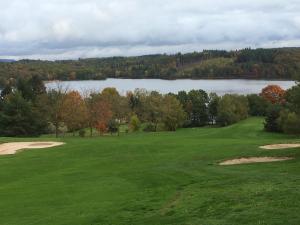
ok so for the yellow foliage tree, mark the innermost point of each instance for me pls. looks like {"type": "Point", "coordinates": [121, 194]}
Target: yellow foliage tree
{"type": "Point", "coordinates": [74, 111]}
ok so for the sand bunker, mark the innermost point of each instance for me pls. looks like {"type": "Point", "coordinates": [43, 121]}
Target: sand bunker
{"type": "Point", "coordinates": [280, 146]}
{"type": "Point", "coordinates": [254, 160]}
{"type": "Point", "coordinates": [13, 147]}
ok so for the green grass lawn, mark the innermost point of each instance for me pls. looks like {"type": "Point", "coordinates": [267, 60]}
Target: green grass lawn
{"type": "Point", "coordinates": [153, 179]}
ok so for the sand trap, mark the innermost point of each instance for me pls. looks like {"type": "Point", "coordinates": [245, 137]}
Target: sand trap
{"type": "Point", "coordinates": [280, 146]}
{"type": "Point", "coordinates": [13, 147]}
{"type": "Point", "coordinates": [254, 160]}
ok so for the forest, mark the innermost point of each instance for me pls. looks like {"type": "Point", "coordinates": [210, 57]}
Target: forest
{"type": "Point", "coordinates": [27, 109]}
{"type": "Point", "coordinates": [279, 64]}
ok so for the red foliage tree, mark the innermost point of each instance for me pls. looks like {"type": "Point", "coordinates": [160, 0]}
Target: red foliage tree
{"type": "Point", "coordinates": [99, 113]}
{"type": "Point", "coordinates": [101, 127]}
{"type": "Point", "coordinates": [273, 93]}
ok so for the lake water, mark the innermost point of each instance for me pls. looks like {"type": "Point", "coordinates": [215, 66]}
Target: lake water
{"type": "Point", "coordinates": [220, 87]}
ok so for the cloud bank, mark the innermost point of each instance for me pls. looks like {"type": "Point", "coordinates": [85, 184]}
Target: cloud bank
{"type": "Point", "coordinates": [68, 29]}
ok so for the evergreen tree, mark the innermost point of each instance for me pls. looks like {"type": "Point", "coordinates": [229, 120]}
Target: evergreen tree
{"type": "Point", "coordinates": [18, 117]}
{"type": "Point", "coordinates": [272, 123]}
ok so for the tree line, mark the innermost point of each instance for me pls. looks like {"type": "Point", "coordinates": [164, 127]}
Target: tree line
{"type": "Point", "coordinates": [27, 109]}
{"type": "Point", "coordinates": [246, 63]}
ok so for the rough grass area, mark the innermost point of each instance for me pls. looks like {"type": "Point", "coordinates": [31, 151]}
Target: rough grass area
{"type": "Point", "coordinates": [153, 179]}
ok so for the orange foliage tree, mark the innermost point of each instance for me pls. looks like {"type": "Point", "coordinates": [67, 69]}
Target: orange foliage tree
{"type": "Point", "coordinates": [99, 113]}
{"type": "Point", "coordinates": [273, 94]}
{"type": "Point", "coordinates": [74, 111]}
{"type": "Point", "coordinates": [101, 127]}
{"type": "Point", "coordinates": [119, 105]}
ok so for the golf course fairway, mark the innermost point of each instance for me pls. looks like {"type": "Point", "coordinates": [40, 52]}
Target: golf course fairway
{"type": "Point", "coordinates": [153, 179]}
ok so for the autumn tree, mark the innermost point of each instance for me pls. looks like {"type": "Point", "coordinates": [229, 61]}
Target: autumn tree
{"type": "Point", "coordinates": [273, 93]}
{"type": "Point", "coordinates": [55, 106]}
{"type": "Point", "coordinates": [119, 106]}
{"type": "Point", "coordinates": [101, 127]}
{"type": "Point", "coordinates": [173, 113]}
{"type": "Point", "coordinates": [138, 103]}
{"type": "Point", "coordinates": [74, 111]}
{"type": "Point", "coordinates": [153, 107]}
{"type": "Point", "coordinates": [133, 101]}
{"type": "Point", "coordinates": [99, 113]}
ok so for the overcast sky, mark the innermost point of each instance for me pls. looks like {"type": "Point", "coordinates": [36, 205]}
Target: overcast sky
{"type": "Point", "coordinates": [68, 29]}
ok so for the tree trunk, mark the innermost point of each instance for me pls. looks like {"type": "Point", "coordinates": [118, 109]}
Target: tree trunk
{"type": "Point", "coordinates": [91, 131]}
{"type": "Point", "coordinates": [56, 130]}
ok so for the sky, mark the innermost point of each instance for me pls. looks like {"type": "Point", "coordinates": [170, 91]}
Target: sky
{"type": "Point", "coordinates": [71, 29]}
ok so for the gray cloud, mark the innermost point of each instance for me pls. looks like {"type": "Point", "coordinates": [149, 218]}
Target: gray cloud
{"type": "Point", "coordinates": [93, 28]}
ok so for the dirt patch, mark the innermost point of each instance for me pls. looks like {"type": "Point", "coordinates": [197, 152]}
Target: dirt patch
{"type": "Point", "coordinates": [13, 147]}
{"type": "Point", "coordinates": [280, 146]}
{"type": "Point", "coordinates": [254, 160]}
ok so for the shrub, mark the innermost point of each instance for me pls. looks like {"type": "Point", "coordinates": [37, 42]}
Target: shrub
{"type": "Point", "coordinates": [231, 109]}
{"type": "Point", "coordinates": [135, 123]}
{"type": "Point", "coordinates": [293, 99]}
{"type": "Point", "coordinates": [62, 129]}
{"type": "Point", "coordinates": [150, 127]}
{"type": "Point", "coordinates": [289, 122]}
{"type": "Point", "coordinates": [113, 126]}
{"type": "Point", "coordinates": [51, 128]}
{"type": "Point", "coordinates": [257, 105]}
{"type": "Point", "coordinates": [82, 133]}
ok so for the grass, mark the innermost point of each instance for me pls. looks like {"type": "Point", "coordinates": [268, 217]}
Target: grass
{"type": "Point", "coordinates": [153, 179]}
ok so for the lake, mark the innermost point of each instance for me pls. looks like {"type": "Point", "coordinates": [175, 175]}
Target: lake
{"type": "Point", "coordinates": [220, 87]}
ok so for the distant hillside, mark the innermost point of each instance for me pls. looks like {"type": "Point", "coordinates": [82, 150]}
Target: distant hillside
{"type": "Point", "coordinates": [7, 60]}
{"type": "Point", "coordinates": [282, 64]}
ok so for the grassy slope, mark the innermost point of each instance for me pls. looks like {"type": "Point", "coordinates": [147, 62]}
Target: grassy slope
{"type": "Point", "coordinates": [154, 179]}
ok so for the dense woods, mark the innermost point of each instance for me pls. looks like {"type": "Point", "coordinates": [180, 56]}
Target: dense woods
{"type": "Point", "coordinates": [27, 109]}
{"type": "Point", "coordinates": [281, 63]}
